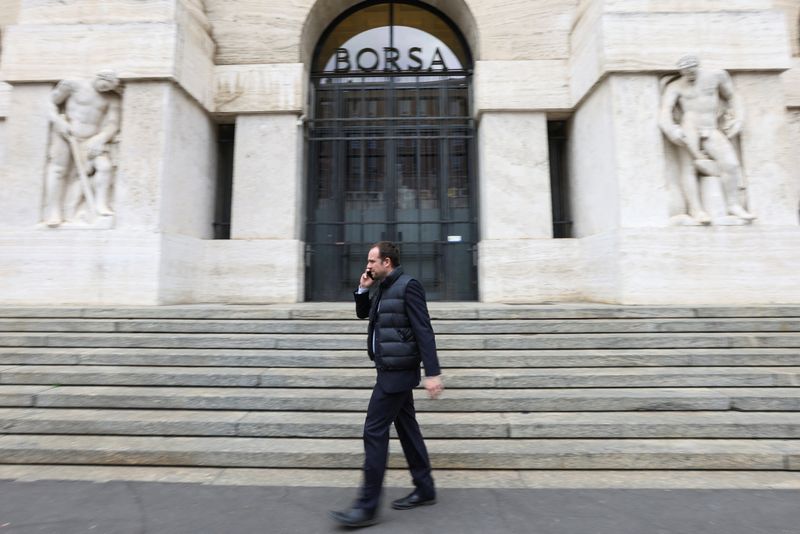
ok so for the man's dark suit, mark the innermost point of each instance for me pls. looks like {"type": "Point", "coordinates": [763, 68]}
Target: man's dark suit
{"type": "Point", "coordinates": [392, 398]}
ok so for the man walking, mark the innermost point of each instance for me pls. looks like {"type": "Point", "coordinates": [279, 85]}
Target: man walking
{"type": "Point", "coordinates": [399, 338]}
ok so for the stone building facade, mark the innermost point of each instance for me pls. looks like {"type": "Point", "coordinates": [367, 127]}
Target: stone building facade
{"type": "Point", "coordinates": [535, 170]}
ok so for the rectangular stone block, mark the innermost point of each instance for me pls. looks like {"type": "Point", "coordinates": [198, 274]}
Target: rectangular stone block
{"type": "Point", "coordinates": [515, 176]}
{"type": "Point", "coordinates": [276, 87]}
{"type": "Point", "coordinates": [555, 261]}
{"type": "Point", "coordinates": [49, 52]}
{"type": "Point", "coordinates": [267, 177]}
{"type": "Point", "coordinates": [521, 85]}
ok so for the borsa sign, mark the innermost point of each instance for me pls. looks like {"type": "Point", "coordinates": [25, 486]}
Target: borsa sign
{"type": "Point", "coordinates": [392, 60]}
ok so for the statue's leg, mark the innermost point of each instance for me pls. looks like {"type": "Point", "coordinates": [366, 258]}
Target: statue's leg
{"type": "Point", "coordinates": [102, 184]}
{"type": "Point", "coordinates": [721, 149]}
{"type": "Point", "coordinates": [57, 168]}
{"type": "Point", "coordinates": [689, 182]}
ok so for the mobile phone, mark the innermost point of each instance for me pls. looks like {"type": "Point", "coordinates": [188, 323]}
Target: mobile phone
{"type": "Point", "coordinates": [369, 275]}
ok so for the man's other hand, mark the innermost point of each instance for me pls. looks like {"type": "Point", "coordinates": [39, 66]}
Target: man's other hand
{"type": "Point", "coordinates": [434, 385]}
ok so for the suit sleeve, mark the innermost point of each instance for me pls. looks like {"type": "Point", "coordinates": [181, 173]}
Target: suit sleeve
{"type": "Point", "coordinates": [417, 311]}
{"type": "Point", "coordinates": [362, 304]}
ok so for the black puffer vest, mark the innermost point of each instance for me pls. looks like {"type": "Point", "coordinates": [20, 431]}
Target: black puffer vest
{"type": "Point", "coordinates": [395, 343]}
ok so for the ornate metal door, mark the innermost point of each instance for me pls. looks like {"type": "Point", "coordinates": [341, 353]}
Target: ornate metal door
{"type": "Point", "coordinates": [391, 157]}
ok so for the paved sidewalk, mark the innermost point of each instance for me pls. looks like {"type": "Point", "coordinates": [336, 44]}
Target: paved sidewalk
{"type": "Point", "coordinates": [122, 507]}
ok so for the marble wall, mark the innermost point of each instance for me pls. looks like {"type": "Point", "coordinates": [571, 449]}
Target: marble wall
{"type": "Point", "coordinates": [188, 64]}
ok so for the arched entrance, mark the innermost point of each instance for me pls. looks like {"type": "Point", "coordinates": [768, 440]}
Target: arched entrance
{"type": "Point", "coordinates": [391, 150]}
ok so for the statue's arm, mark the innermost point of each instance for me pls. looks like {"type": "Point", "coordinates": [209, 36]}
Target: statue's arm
{"type": "Point", "coordinates": [58, 97]}
{"type": "Point", "coordinates": [111, 121]}
{"type": "Point", "coordinates": [666, 122]}
{"type": "Point", "coordinates": [734, 125]}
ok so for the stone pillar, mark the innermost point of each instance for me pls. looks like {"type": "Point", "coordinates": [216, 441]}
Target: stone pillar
{"type": "Point", "coordinates": [617, 158]}
{"type": "Point", "coordinates": [514, 176]}
{"type": "Point", "coordinates": [515, 203]}
{"type": "Point", "coordinates": [267, 177]}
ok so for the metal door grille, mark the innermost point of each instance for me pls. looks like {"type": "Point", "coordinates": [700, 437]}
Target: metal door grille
{"type": "Point", "coordinates": [391, 157]}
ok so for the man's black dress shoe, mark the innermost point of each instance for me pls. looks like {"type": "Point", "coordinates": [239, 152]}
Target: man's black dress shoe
{"type": "Point", "coordinates": [412, 500]}
{"type": "Point", "coordinates": [355, 517]}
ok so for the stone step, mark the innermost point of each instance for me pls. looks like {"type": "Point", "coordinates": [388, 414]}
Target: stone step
{"type": "Point", "coordinates": [365, 378]}
{"type": "Point", "coordinates": [438, 310]}
{"type": "Point", "coordinates": [446, 341]}
{"type": "Point", "coordinates": [775, 455]}
{"type": "Point", "coordinates": [451, 425]}
{"type": "Point", "coordinates": [444, 326]}
{"type": "Point", "coordinates": [357, 358]}
{"type": "Point", "coordinates": [455, 400]}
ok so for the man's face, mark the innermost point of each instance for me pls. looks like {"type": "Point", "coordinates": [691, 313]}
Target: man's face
{"type": "Point", "coordinates": [377, 266]}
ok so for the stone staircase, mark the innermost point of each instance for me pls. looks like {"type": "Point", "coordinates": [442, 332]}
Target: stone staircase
{"type": "Point", "coordinates": [529, 387]}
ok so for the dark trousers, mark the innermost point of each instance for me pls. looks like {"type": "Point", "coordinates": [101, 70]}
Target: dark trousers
{"type": "Point", "coordinates": [385, 409]}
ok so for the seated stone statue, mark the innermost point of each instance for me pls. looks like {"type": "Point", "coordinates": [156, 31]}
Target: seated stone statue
{"type": "Point", "coordinates": [701, 115]}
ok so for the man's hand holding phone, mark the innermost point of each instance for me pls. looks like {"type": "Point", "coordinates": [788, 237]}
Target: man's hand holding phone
{"type": "Point", "coordinates": [366, 280]}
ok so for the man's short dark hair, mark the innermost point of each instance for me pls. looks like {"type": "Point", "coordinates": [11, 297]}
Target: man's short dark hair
{"type": "Point", "coordinates": [387, 249]}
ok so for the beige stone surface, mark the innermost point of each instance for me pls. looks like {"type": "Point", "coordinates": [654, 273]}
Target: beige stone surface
{"type": "Point", "coordinates": [793, 125]}
{"type": "Point", "coordinates": [529, 270]}
{"type": "Point", "coordinates": [38, 52]}
{"type": "Point", "coordinates": [232, 271]}
{"type": "Point", "coordinates": [640, 38]}
{"type": "Point", "coordinates": [9, 11]}
{"type": "Point", "coordinates": [23, 179]}
{"type": "Point", "coordinates": [594, 189]}
{"type": "Point", "coordinates": [791, 84]}
{"type": "Point", "coordinates": [61, 266]}
{"type": "Point", "coordinates": [142, 144]}
{"type": "Point", "coordinates": [189, 168]}
{"type": "Point", "coordinates": [521, 85]}
{"type": "Point", "coordinates": [767, 155]}
{"type": "Point", "coordinates": [5, 99]}
{"type": "Point", "coordinates": [686, 6]}
{"type": "Point", "coordinates": [61, 43]}
{"type": "Point", "coordinates": [638, 151]}
{"type": "Point", "coordinates": [495, 29]}
{"type": "Point", "coordinates": [267, 177]}
{"type": "Point", "coordinates": [791, 13]}
{"type": "Point", "coordinates": [259, 88]}
{"type": "Point", "coordinates": [700, 265]}
{"type": "Point", "coordinates": [97, 11]}
{"type": "Point", "coordinates": [515, 176]}
{"type": "Point", "coordinates": [524, 29]}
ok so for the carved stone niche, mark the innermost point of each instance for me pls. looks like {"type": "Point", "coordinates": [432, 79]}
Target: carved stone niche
{"type": "Point", "coordinates": [79, 178]}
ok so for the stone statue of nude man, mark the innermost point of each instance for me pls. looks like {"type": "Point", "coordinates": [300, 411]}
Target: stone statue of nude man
{"type": "Point", "coordinates": [86, 116]}
{"type": "Point", "coordinates": [704, 132]}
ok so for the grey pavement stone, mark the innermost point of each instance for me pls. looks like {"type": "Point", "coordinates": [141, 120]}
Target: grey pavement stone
{"type": "Point", "coordinates": [158, 508]}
